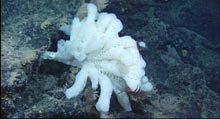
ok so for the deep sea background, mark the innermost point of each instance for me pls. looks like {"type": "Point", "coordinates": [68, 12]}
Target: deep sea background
{"type": "Point", "coordinates": [182, 56]}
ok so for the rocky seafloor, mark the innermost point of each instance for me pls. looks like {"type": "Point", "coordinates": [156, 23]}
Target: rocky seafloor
{"type": "Point", "coordinates": [182, 56]}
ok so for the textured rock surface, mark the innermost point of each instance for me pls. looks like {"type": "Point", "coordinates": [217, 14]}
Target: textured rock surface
{"type": "Point", "coordinates": [35, 88]}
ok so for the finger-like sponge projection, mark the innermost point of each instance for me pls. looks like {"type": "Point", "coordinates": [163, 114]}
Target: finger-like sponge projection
{"type": "Point", "coordinates": [108, 60]}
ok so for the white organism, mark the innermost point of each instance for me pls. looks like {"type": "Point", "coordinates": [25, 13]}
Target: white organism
{"type": "Point", "coordinates": [112, 62]}
{"type": "Point", "coordinates": [142, 44]}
